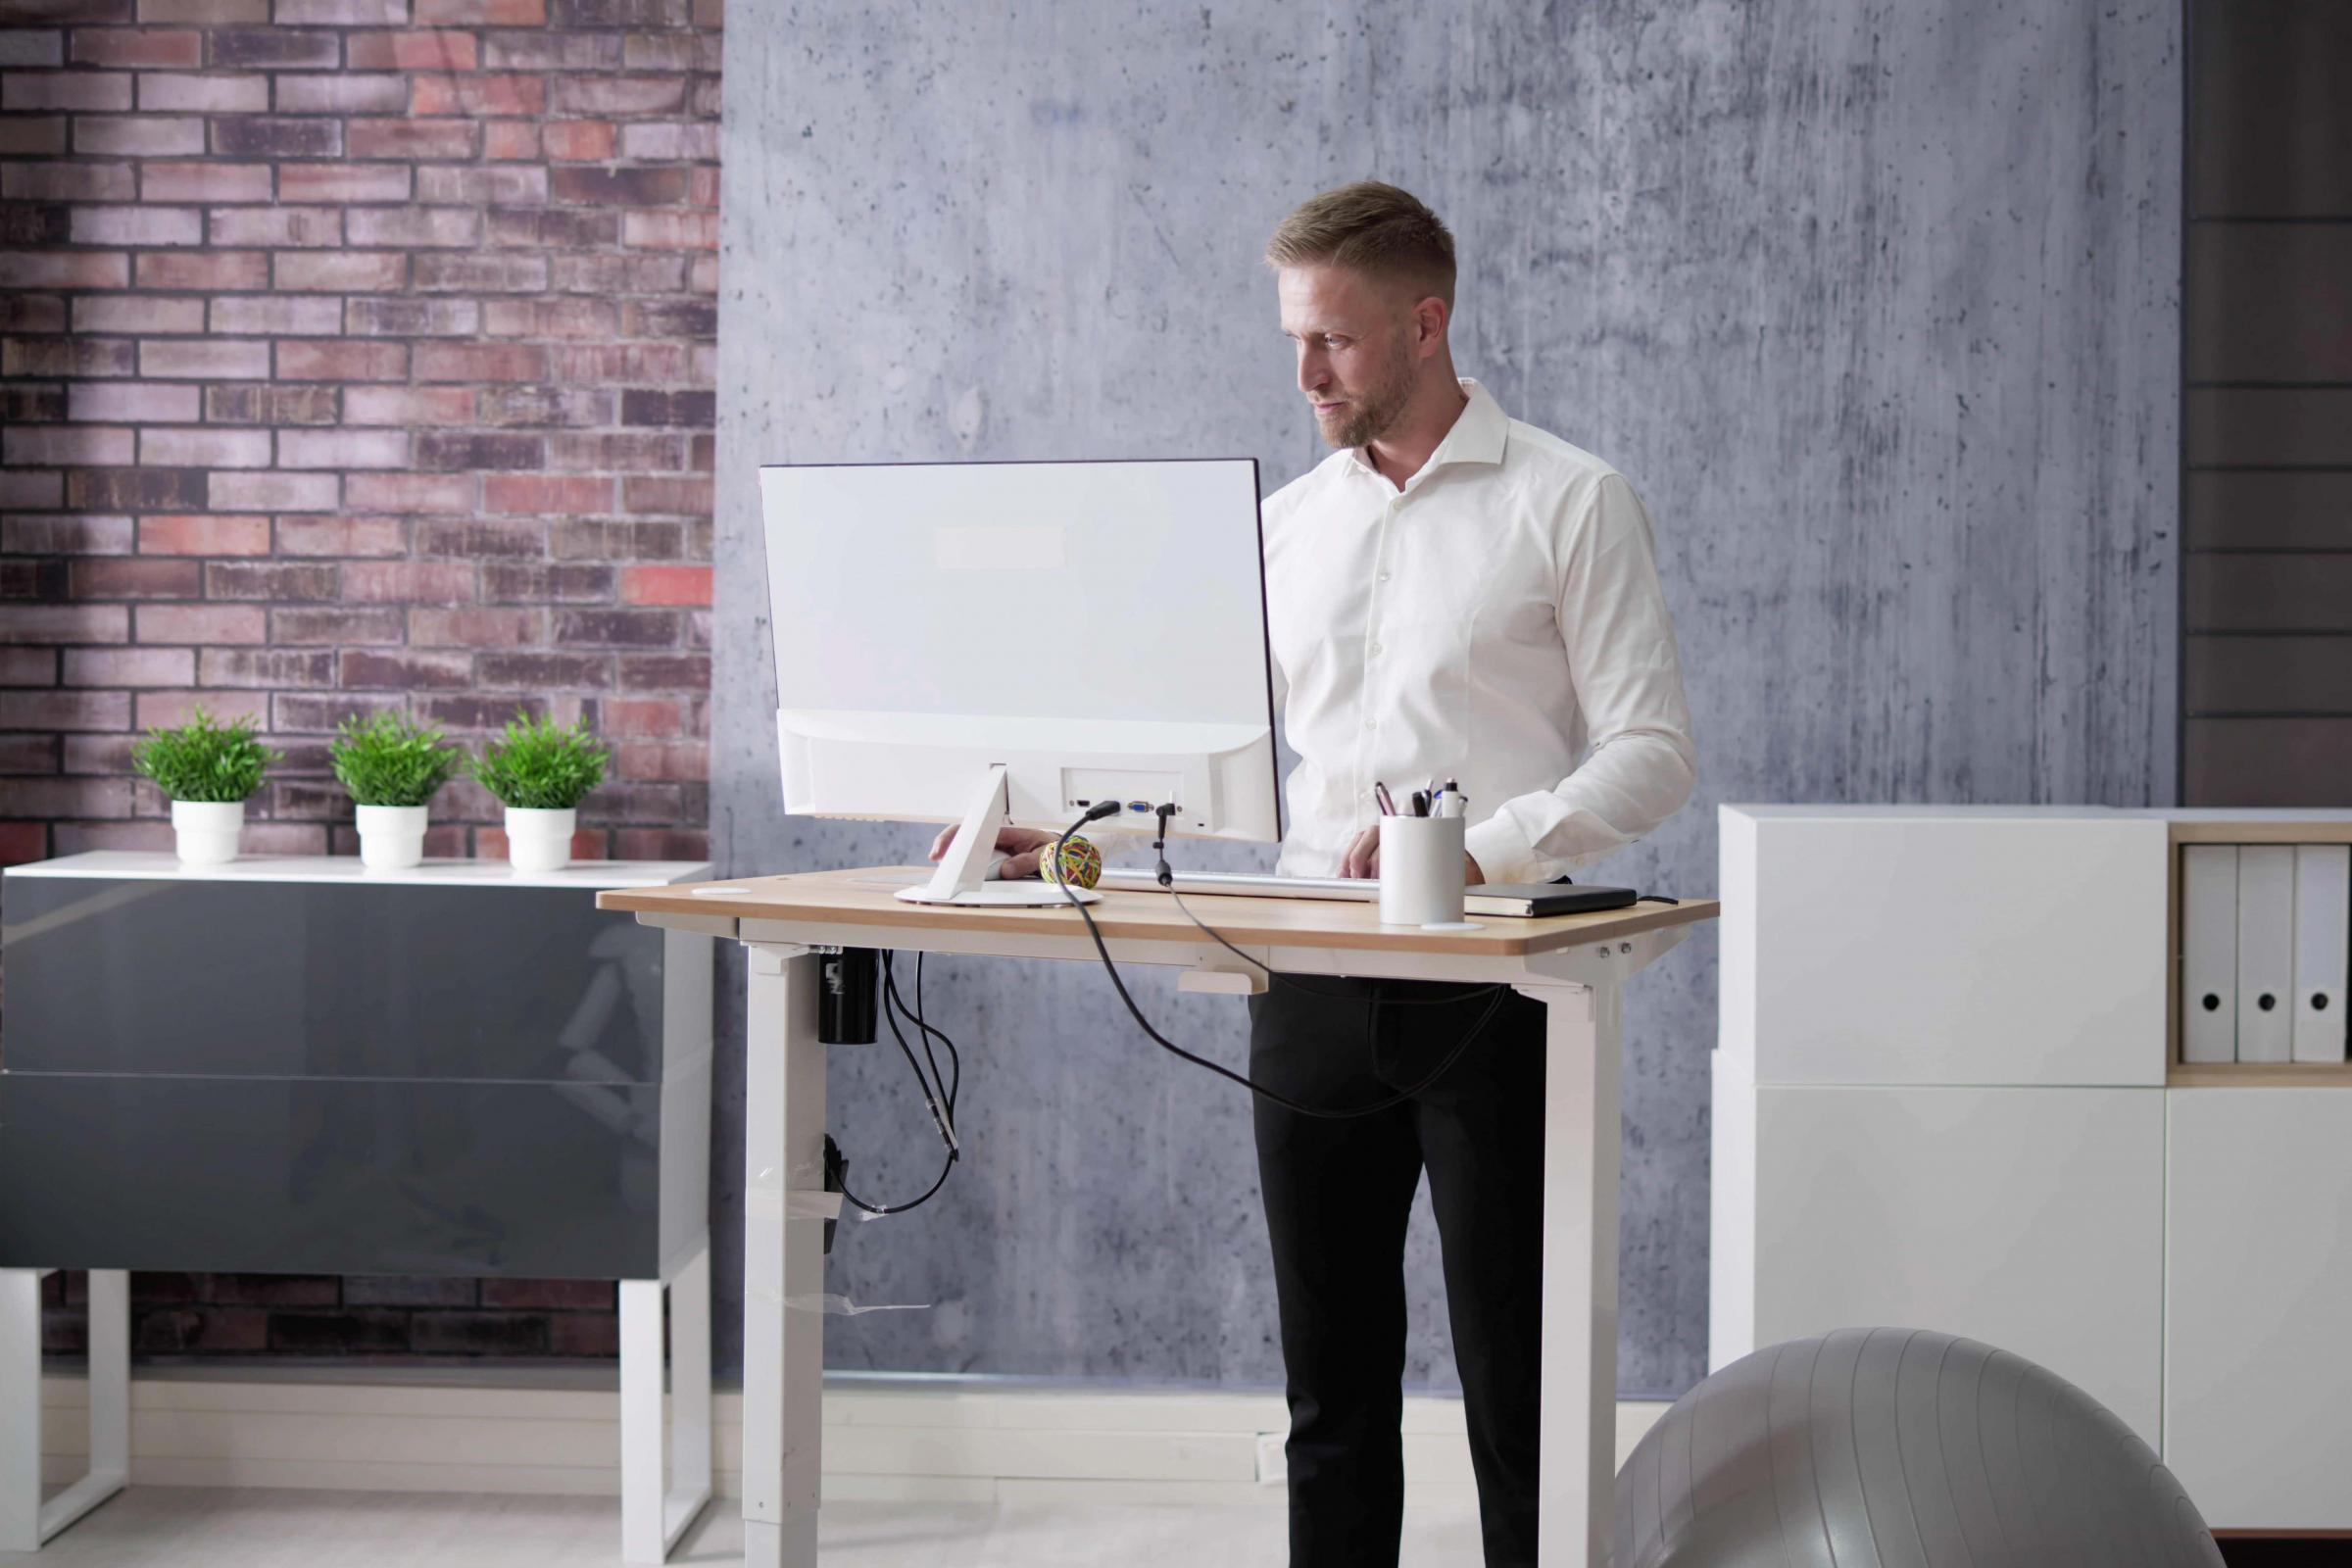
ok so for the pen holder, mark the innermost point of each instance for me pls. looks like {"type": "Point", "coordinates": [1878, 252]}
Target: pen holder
{"type": "Point", "coordinates": [1421, 870]}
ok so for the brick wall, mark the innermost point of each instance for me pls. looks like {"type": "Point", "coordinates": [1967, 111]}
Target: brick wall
{"type": "Point", "coordinates": [355, 355]}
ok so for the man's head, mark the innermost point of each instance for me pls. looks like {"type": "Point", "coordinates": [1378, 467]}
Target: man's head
{"type": "Point", "coordinates": [1366, 278]}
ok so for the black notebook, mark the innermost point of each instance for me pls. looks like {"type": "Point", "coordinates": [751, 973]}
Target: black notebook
{"type": "Point", "coordinates": [1541, 897]}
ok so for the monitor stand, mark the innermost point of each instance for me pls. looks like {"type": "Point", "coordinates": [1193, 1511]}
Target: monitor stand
{"type": "Point", "coordinates": [961, 877]}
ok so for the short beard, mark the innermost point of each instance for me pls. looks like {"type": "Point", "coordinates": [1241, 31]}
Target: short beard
{"type": "Point", "coordinates": [1378, 408]}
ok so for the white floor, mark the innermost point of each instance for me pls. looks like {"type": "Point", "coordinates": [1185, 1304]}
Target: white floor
{"type": "Point", "coordinates": [234, 1527]}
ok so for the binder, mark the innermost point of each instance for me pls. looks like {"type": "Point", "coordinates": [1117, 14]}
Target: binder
{"type": "Point", "coordinates": [2209, 953]}
{"type": "Point", "coordinates": [2322, 933]}
{"type": "Point", "coordinates": [2266, 952]}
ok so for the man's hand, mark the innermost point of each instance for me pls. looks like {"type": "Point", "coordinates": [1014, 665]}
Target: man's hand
{"type": "Point", "coordinates": [1363, 859]}
{"type": "Point", "coordinates": [1025, 845]}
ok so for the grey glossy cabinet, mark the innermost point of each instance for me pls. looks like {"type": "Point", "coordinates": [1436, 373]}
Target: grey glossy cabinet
{"type": "Point", "coordinates": [296, 1065]}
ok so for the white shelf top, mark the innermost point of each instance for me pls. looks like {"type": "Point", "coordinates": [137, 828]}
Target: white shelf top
{"type": "Point", "coordinates": [157, 865]}
{"type": "Point", "coordinates": [2044, 814]}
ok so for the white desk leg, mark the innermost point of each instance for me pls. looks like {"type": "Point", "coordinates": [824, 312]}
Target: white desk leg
{"type": "Point", "coordinates": [689, 1398]}
{"type": "Point", "coordinates": [783, 1348]}
{"type": "Point", "coordinates": [109, 1388]}
{"type": "Point", "coordinates": [640, 1435]}
{"type": "Point", "coordinates": [1578, 1382]}
{"type": "Point", "coordinates": [652, 1518]}
{"type": "Point", "coordinates": [25, 1522]}
{"type": "Point", "coordinates": [19, 1409]}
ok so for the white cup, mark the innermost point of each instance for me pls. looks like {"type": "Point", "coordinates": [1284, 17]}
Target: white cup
{"type": "Point", "coordinates": [1421, 869]}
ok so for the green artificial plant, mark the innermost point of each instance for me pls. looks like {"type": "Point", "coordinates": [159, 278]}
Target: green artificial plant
{"type": "Point", "coordinates": [392, 760]}
{"type": "Point", "coordinates": [541, 765]}
{"type": "Point", "coordinates": [204, 761]}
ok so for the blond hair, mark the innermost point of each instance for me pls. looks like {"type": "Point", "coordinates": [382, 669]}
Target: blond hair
{"type": "Point", "coordinates": [1369, 228]}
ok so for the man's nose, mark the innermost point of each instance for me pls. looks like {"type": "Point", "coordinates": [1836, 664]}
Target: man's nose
{"type": "Point", "coordinates": [1314, 373]}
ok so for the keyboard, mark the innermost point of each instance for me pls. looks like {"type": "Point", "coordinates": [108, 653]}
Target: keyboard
{"type": "Point", "coordinates": [1244, 884]}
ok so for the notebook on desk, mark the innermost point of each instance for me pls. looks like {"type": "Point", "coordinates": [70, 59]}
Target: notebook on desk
{"type": "Point", "coordinates": [1541, 897]}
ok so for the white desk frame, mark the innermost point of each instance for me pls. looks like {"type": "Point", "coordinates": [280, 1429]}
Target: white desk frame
{"type": "Point", "coordinates": [783, 1344]}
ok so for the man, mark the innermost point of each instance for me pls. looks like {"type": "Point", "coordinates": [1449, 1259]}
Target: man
{"type": "Point", "coordinates": [1450, 595]}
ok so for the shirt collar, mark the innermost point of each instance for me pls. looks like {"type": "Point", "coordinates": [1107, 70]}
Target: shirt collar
{"type": "Point", "coordinates": [1478, 434]}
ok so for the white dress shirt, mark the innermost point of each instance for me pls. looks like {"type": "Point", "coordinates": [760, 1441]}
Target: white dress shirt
{"type": "Point", "coordinates": [1487, 623]}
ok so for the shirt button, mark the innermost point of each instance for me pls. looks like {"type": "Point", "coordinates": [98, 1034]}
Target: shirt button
{"type": "Point", "coordinates": [1384, 576]}
{"type": "Point", "coordinates": [1376, 648]}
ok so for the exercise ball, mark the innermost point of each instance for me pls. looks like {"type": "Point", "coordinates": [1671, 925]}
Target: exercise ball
{"type": "Point", "coordinates": [1898, 1448]}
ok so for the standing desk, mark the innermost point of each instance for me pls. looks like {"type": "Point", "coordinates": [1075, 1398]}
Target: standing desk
{"type": "Point", "coordinates": [1575, 964]}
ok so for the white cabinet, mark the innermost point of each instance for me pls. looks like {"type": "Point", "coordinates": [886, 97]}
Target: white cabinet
{"type": "Point", "coordinates": [2258, 1306]}
{"type": "Point", "coordinates": [1944, 946]}
{"type": "Point", "coordinates": [1944, 1100]}
{"type": "Point", "coordinates": [2027, 1218]}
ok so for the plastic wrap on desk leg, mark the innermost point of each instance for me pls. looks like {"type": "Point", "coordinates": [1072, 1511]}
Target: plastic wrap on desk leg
{"type": "Point", "coordinates": [770, 1204]}
{"type": "Point", "coordinates": [767, 1198]}
{"type": "Point", "coordinates": [832, 1304]}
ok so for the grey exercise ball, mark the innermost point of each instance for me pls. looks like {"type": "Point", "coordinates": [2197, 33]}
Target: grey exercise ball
{"type": "Point", "coordinates": [1898, 1448]}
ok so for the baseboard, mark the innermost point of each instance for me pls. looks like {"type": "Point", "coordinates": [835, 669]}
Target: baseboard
{"type": "Point", "coordinates": [886, 1438]}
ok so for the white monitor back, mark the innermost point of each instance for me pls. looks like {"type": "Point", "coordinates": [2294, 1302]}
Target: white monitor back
{"type": "Point", "coordinates": [1099, 629]}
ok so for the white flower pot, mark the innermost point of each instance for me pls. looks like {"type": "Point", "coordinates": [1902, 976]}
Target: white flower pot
{"type": "Point", "coordinates": [391, 837]}
{"type": "Point", "coordinates": [540, 840]}
{"type": "Point", "coordinates": [206, 832]}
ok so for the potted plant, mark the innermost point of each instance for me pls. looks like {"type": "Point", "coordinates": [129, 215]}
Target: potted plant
{"type": "Point", "coordinates": [392, 767]}
{"type": "Point", "coordinates": [209, 770]}
{"type": "Point", "coordinates": [538, 770]}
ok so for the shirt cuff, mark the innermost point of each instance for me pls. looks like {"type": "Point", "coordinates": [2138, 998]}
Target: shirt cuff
{"type": "Point", "coordinates": [1501, 851]}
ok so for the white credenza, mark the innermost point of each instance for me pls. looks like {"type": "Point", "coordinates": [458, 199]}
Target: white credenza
{"type": "Point", "coordinates": [1948, 1096]}
{"type": "Point", "coordinates": [294, 1064]}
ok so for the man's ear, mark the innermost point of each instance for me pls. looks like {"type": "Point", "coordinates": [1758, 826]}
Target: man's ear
{"type": "Point", "coordinates": [1431, 317]}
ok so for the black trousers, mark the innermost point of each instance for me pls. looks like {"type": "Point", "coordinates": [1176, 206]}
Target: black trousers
{"type": "Point", "coordinates": [1338, 1195]}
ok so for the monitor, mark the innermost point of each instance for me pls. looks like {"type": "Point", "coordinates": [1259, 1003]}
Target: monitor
{"type": "Point", "coordinates": [994, 643]}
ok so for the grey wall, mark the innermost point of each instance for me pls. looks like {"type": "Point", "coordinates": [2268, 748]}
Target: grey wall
{"type": "Point", "coordinates": [1875, 303]}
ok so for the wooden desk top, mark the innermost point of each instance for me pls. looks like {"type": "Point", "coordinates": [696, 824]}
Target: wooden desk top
{"type": "Point", "coordinates": [864, 896]}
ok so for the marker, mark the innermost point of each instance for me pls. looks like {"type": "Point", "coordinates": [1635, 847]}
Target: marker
{"type": "Point", "coordinates": [1420, 803]}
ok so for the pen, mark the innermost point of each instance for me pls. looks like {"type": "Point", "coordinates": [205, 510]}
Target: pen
{"type": "Point", "coordinates": [1380, 798]}
{"type": "Point", "coordinates": [1420, 803]}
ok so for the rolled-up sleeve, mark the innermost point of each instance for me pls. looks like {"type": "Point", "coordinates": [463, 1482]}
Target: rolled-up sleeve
{"type": "Point", "coordinates": [1628, 675]}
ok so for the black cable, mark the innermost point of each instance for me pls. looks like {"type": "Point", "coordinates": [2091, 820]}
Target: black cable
{"type": "Point", "coordinates": [944, 1121]}
{"type": "Point", "coordinates": [1261, 1090]}
{"type": "Point", "coordinates": [954, 1056]}
{"type": "Point", "coordinates": [840, 1184]}
{"type": "Point", "coordinates": [914, 1017]}
{"type": "Point", "coordinates": [931, 1097]}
